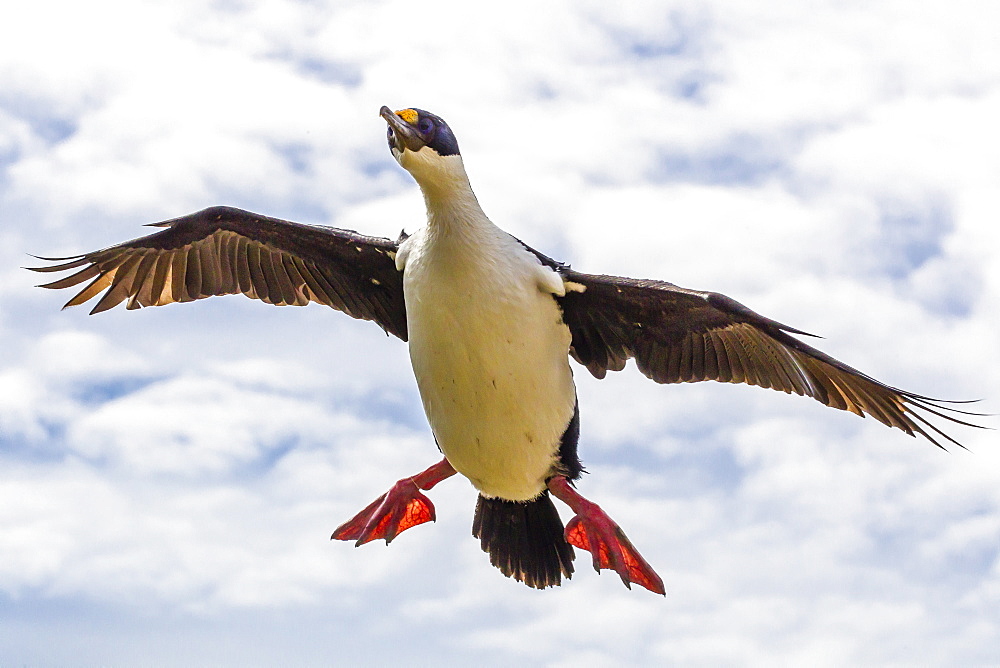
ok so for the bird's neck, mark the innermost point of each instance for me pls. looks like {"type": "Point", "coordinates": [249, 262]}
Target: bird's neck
{"type": "Point", "coordinates": [452, 207]}
{"type": "Point", "coordinates": [453, 211]}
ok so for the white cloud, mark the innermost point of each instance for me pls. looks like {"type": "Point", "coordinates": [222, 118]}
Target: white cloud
{"type": "Point", "coordinates": [174, 473]}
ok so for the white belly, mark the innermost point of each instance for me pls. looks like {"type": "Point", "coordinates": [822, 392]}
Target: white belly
{"type": "Point", "coordinates": [490, 355]}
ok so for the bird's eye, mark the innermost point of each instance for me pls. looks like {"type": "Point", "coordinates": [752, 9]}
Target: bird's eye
{"type": "Point", "coordinates": [425, 126]}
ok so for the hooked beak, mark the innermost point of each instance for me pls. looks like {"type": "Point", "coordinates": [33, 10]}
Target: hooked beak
{"type": "Point", "coordinates": [404, 135]}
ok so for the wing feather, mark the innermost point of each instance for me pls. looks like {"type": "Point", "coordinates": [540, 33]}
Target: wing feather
{"type": "Point", "coordinates": [316, 291]}
{"type": "Point", "coordinates": [95, 287]}
{"type": "Point", "coordinates": [145, 274]}
{"type": "Point", "coordinates": [211, 267]}
{"type": "Point", "coordinates": [178, 269]}
{"type": "Point", "coordinates": [223, 250]}
{"type": "Point", "coordinates": [120, 284]}
{"type": "Point", "coordinates": [192, 273]}
{"type": "Point", "coordinates": [678, 335]}
{"type": "Point", "coordinates": [73, 279]}
{"type": "Point", "coordinates": [296, 281]}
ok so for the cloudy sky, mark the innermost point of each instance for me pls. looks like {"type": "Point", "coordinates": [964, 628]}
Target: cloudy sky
{"type": "Point", "coordinates": [169, 478]}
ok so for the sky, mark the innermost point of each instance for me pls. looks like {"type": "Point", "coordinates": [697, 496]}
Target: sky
{"type": "Point", "coordinates": [169, 477]}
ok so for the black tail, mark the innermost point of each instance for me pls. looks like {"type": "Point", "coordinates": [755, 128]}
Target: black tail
{"type": "Point", "coordinates": [524, 539]}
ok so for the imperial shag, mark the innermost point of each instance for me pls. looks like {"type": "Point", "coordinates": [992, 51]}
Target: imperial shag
{"type": "Point", "coordinates": [491, 324]}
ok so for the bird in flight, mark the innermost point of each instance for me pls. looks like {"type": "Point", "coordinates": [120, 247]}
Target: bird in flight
{"type": "Point", "coordinates": [491, 325]}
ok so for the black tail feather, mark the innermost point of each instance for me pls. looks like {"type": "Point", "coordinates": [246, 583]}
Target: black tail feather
{"type": "Point", "coordinates": [524, 539]}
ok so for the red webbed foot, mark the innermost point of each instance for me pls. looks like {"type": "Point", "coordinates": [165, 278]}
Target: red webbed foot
{"type": "Point", "coordinates": [389, 515]}
{"type": "Point", "coordinates": [592, 530]}
{"type": "Point", "coordinates": [399, 509]}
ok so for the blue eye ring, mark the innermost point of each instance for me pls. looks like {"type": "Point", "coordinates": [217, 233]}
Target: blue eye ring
{"type": "Point", "coordinates": [425, 126]}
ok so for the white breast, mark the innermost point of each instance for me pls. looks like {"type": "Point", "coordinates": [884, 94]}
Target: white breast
{"type": "Point", "coordinates": [490, 355]}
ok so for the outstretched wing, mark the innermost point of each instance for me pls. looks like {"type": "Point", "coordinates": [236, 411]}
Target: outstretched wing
{"type": "Point", "coordinates": [684, 336]}
{"type": "Point", "coordinates": [224, 251]}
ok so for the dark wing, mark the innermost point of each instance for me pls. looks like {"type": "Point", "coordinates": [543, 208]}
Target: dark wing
{"type": "Point", "coordinates": [224, 251]}
{"type": "Point", "coordinates": [684, 336]}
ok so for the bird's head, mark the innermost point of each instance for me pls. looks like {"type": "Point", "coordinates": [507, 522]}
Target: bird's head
{"type": "Point", "coordinates": [423, 144]}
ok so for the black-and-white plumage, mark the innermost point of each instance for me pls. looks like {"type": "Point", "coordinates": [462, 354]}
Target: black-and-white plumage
{"type": "Point", "coordinates": [491, 324]}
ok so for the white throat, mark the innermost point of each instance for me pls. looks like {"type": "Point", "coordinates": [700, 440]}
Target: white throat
{"type": "Point", "coordinates": [447, 192]}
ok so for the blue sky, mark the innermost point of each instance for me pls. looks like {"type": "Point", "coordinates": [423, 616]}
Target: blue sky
{"type": "Point", "coordinates": [169, 477]}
